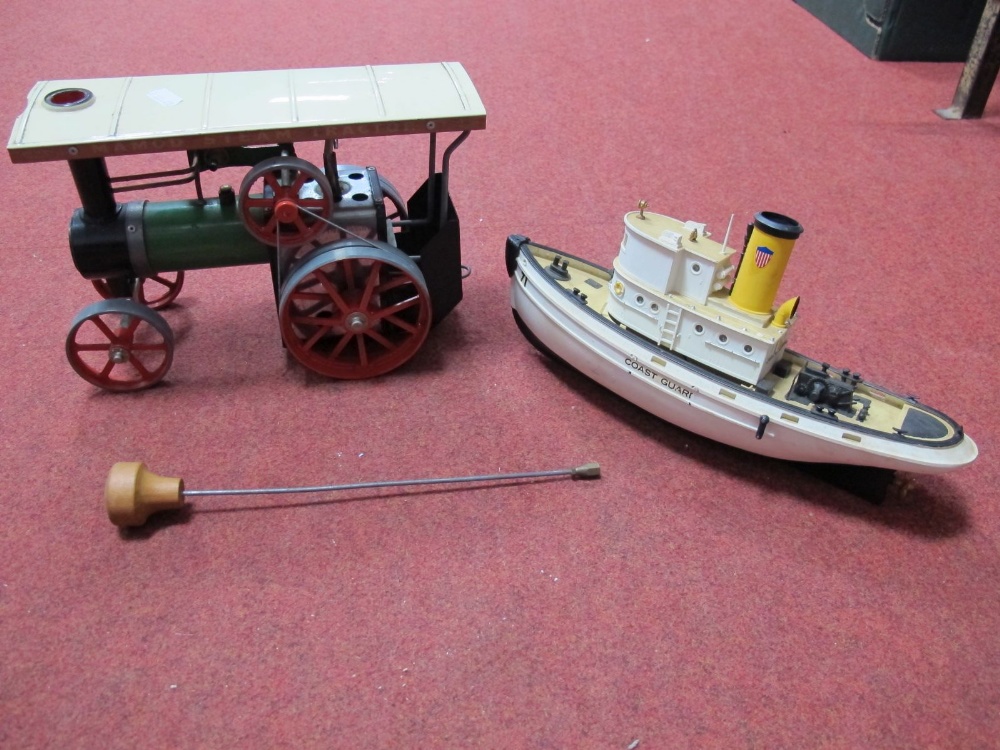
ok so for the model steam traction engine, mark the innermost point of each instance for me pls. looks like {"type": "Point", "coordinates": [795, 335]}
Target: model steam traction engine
{"type": "Point", "coordinates": [359, 274]}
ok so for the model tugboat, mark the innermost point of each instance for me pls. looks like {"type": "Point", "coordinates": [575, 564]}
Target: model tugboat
{"type": "Point", "coordinates": [681, 330]}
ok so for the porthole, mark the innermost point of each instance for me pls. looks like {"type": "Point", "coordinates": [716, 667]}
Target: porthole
{"type": "Point", "coordinates": [748, 349]}
{"type": "Point", "coordinates": [639, 299]}
{"type": "Point", "coordinates": [699, 329]}
{"type": "Point", "coordinates": [654, 307]}
{"type": "Point", "coordinates": [696, 268]}
{"type": "Point", "coordinates": [723, 338]}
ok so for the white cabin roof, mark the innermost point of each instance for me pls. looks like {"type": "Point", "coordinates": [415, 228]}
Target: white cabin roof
{"type": "Point", "coordinates": [660, 230]}
{"type": "Point", "coordinates": [151, 114]}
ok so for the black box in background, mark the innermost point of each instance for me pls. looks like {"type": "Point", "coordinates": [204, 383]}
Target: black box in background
{"type": "Point", "coordinates": [927, 30]}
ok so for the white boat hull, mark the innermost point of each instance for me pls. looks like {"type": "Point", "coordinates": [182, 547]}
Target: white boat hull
{"type": "Point", "coordinates": [697, 400]}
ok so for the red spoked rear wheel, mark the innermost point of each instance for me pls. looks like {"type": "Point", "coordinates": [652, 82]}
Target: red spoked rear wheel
{"type": "Point", "coordinates": [155, 291]}
{"type": "Point", "coordinates": [355, 310]}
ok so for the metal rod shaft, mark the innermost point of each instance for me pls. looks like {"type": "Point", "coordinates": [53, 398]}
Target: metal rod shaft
{"type": "Point", "coordinates": [586, 471]}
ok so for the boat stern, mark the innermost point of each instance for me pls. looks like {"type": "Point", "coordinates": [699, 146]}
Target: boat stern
{"type": "Point", "coordinates": [514, 243]}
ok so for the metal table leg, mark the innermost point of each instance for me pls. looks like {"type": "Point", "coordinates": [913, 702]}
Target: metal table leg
{"type": "Point", "coordinates": [980, 69]}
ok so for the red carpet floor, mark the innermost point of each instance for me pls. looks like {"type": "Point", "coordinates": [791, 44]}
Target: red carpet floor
{"type": "Point", "coordinates": [695, 596]}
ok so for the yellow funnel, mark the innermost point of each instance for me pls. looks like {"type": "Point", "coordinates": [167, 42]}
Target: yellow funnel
{"type": "Point", "coordinates": [764, 260]}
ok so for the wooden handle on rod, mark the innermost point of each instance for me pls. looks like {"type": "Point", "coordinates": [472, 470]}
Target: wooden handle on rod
{"type": "Point", "coordinates": [133, 493]}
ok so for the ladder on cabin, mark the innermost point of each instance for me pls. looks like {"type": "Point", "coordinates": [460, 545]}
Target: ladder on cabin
{"type": "Point", "coordinates": [668, 332]}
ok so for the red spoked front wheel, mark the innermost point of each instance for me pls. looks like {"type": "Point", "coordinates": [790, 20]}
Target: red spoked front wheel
{"type": "Point", "coordinates": [281, 200]}
{"type": "Point", "coordinates": [355, 310]}
{"type": "Point", "coordinates": [120, 345]}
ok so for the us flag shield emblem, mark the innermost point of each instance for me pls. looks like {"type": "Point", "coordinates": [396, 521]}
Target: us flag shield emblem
{"type": "Point", "coordinates": [763, 256]}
